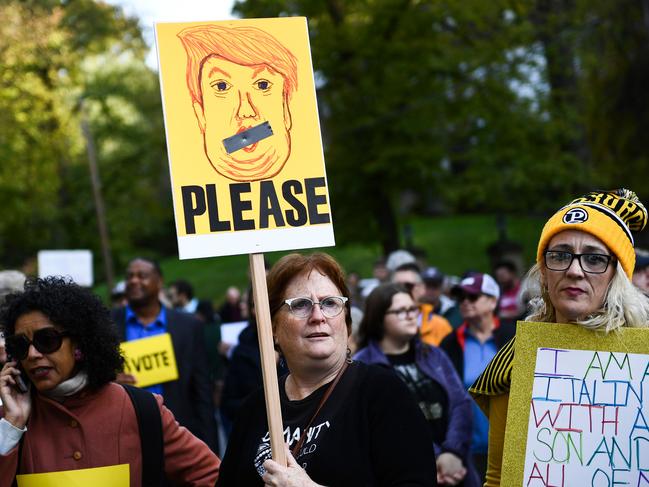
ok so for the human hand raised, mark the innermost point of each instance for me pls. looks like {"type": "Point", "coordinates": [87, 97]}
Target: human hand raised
{"type": "Point", "coordinates": [128, 379]}
{"type": "Point", "coordinates": [17, 405]}
{"type": "Point", "coordinates": [286, 476]}
{"type": "Point", "coordinates": [450, 470]}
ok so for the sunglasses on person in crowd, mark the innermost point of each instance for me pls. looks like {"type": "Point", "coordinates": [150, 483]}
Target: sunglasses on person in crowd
{"type": "Point", "coordinates": [403, 313]}
{"type": "Point", "coordinates": [46, 340]}
{"type": "Point", "coordinates": [561, 260]}
{"type": "Point", "coordinates": [302, 307]}
{"type": "Point", "coordinates": [471, 297]}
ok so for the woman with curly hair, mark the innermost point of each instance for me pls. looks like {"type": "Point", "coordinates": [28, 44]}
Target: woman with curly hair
{"type": "Point", "coordinates": [70, 415]}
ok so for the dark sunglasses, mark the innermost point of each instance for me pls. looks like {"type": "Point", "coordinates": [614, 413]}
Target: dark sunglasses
{"type": "Point", "coordinates": [46, 340]}
{"type": "Point", "coordinates": [471, 297]}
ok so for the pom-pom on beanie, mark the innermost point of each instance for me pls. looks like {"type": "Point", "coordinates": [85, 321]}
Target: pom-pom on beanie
{"type": "Point", "coordinates": [608, 215]}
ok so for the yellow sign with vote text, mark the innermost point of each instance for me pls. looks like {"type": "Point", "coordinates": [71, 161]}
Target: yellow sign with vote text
{"type": "Point", "coordinates": [113, 476]}
{"type": "Point", "coordinates": [150, 360]}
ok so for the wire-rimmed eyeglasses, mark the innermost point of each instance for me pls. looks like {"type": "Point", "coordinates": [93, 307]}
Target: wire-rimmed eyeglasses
{"type": "Point", "coordinates": [330, 306]}
{"type": "Point", "coordinates": [561, 260]}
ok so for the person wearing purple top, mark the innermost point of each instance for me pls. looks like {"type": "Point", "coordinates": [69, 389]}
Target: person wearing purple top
{"type": "Point", "coordinates": [389, 337]}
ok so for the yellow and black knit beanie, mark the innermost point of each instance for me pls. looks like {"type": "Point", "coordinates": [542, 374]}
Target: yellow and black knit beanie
{"type": "Point", "coordinates": [608, 215]}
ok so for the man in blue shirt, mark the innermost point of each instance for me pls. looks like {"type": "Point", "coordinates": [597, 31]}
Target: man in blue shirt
{"type": "Point", "coordinates": [190, 396]}
{"type": "Point", "coordinates": [472, 346]}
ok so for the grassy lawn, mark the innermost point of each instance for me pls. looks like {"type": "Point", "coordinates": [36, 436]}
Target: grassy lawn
{"type": "Point", "coordinates": [459, 243]}
{"type": "Point", "coordinates": [454, 244]}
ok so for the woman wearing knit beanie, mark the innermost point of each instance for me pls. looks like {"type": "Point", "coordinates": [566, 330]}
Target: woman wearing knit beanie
{"type": "Point", "coordinates": [584, 264]}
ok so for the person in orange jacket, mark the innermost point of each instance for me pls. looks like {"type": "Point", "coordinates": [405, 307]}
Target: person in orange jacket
{"type": "Point", "coordinates": [432, 327]}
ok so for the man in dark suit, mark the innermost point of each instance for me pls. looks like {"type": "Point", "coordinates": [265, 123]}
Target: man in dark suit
{"type": "Point", "coordinates": [190, 396]}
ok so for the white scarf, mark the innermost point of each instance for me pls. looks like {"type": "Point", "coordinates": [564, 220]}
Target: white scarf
{"type": "Point", "coordinates": [68, 387]}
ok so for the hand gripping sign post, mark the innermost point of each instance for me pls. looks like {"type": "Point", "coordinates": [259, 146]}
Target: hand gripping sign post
{"type": "Point", "coordinates": [578, 408]}
{"type": "Point", "coordinates": [245, 152]}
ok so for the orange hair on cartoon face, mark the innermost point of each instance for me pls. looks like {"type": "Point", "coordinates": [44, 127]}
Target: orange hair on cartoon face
{"type": "Point", "coordinates": [247, 46]}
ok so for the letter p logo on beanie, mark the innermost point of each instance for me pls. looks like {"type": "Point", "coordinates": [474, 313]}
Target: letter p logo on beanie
{"type": "Point", "coordinates": [608, 215]}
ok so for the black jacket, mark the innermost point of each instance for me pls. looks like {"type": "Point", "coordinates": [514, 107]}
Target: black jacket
{"type": "Point", "coordinates": [244, 374]}
{"type": "Point", "coordinates": [189, 397]}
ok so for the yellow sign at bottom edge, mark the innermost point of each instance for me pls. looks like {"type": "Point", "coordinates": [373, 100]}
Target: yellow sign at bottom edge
{"type": "Point", "coordinates": [113, 476]}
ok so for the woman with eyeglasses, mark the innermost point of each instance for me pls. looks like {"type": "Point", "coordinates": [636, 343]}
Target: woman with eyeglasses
{"type": "Point", "coordinates": [583, 269]}
{"type": "Point", "coordinates": [340, 416]}
{"type": "Point", "coordinates": [389, 337]}
{"type": "Point", "coordinates": [62, 410]}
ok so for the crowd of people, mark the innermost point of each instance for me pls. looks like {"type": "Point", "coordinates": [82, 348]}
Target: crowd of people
{"type": "Point", "coordinates": [401, 378]}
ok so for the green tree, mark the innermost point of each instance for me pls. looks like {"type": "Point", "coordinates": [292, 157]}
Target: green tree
{"type": "Point", "coordinates": [58, 57]}
{"type": "Point", "coordinates": [437, 98]}
{"type": "Point", "coordinates": [614, 54]}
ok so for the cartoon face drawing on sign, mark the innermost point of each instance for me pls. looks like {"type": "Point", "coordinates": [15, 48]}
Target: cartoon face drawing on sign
{"type": "Point", "coordinates": [238, 79]}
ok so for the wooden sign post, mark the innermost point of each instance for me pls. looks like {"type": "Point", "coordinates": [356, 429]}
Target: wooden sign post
{"type": "Point", "coordinates": [245, 153]}
{"type": "Point", "coordinates": [267, 349]}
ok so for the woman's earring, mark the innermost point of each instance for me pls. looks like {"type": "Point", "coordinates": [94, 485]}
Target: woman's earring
{"type": "Point", "coordinates": [78, 355]}
{"type": "Point", "coordinates": [349, 355]}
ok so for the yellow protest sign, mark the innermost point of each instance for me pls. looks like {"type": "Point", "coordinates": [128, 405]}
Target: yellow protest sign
{"type": "Point", "coordinates": [578, 410]}
{"type": "Point", "coordinates": [243, 137]}
{"type": "Point", "coordinates": [150, 360]}
{"type": "Point", "coordinates": [113, 476]}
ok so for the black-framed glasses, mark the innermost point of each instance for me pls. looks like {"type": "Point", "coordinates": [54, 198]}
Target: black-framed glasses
{"type": "Point", "coordinates": [331, 306]}
{"type": "Point", "coordinates": [561, 260]}
{"type": "Point", "coordinates": [403, 313]}
{"type": "Point", "coordinates": [46, 340]}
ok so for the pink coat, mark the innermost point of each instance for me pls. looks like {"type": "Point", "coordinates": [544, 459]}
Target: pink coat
{"type": "Point", "coordinates": [100, 429]}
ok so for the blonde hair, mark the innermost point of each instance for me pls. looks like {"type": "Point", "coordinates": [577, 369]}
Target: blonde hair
{"type": "Point", "coordinates": [624, 304]}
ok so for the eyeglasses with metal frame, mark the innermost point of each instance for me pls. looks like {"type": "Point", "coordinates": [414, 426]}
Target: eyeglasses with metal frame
{"type": "Point", "coordinates": [331, 306]}
{"type": "Point", "coordinates": [561, 260]}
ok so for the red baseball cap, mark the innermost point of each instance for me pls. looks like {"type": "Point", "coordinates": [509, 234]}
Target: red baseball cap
{"type": "Point", "coordinates": [478, 284]}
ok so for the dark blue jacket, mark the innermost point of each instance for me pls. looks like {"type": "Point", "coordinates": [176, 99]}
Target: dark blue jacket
{"type": "Point", "coordinates": [435, 364]}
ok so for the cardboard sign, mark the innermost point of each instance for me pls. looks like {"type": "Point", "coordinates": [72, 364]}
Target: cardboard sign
{"type": "Point", "coordinates": [150, 360]}
{"type": "Point", "coordinates": [243, 137]}
{"type": "Point", "coordinates": [76, 264]}
{"type": "Point", "coordinates": [579, 402]}
{"type": "Point", "coordinates": [230, 332]}
{"type": "Point", "coordinates": [113, 476]}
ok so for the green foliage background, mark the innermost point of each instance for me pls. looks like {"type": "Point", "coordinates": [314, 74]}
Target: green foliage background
{"type": "Point", "coordinates": [430, 110]}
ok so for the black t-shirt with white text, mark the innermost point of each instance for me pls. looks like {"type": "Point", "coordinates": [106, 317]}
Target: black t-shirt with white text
{"type": "Point", "coordinates": [370, 432]}
{"type": "Point", "coordinates": [431, 397]}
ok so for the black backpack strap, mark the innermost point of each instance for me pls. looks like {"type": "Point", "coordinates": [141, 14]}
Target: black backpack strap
{"type": "Point", "coordinates": [150, 425]}
{"type": "Point", "coordinates": [20, 454]}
